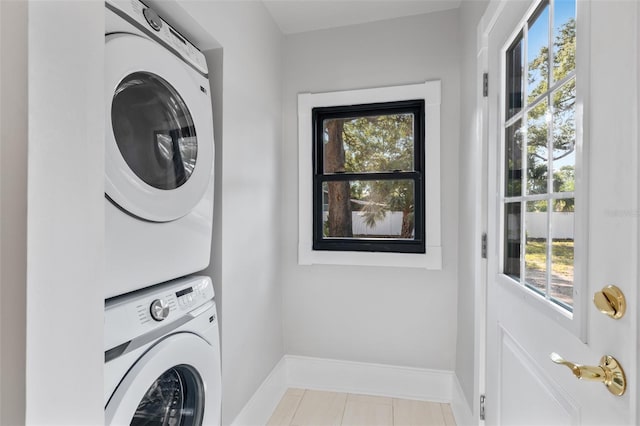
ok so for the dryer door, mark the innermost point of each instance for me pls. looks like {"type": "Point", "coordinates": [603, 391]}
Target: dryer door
{"type": "Point", "coordinates": [159, 135]}
{"type": "Point", "coordinates": [176, 382]}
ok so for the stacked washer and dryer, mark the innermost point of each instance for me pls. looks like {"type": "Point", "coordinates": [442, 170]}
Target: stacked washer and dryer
{"type": "Point", "coordinates": [162, 354]}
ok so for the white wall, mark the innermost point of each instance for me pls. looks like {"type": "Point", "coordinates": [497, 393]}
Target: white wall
{"type": "Point", "coordinates": [65, 302]}
{"type": "Point", "coordinates": [13, 207]}
{"type": "Point", "coordinates": [51, 107]}
{"type": "Point", "coordinates": [52, 212]}
{"type": "Point", "coordinates": [470, 201]}
{"type": "Point", "coordinates": [246, 249]}
{"type": "Point", "coordinates": [373, 314]}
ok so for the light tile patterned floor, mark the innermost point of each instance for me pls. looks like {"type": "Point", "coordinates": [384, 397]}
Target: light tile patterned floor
{"type": "Point", "coordinates": [299, 407]}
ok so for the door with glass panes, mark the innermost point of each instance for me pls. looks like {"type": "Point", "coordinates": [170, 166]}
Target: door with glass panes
{"type": "Point", "coordinates": [562, 139]}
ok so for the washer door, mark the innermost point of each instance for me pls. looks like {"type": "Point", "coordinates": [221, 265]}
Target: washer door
{"type": "Point", "coordinates": [159, 137]}
{"type": "Point", "coordinates": [176, 382]}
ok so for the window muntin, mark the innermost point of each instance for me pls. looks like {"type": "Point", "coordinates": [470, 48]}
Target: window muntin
{"type": "Point", "coordinates": [539, 154]}
{"type": "Point", "coordinates": [369, 177]}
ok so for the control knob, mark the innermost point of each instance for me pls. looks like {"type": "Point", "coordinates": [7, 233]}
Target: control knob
{"type": "Point", "coordinates": [159, 309]}
{"type": "Point", "coordinates": [152, 18]}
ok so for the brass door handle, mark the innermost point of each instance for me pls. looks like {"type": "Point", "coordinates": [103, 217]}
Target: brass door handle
{"type": "Point", "coordinates": [610, 301]}
{"type": "Point", "coordinates": [608, 372]}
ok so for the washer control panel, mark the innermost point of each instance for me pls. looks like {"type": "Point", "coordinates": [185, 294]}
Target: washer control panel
{"type": "Point", "coordinates": [194, 295]}
{"type": "Point", "coordinates": [144, 17]}
{"type": "Point", "coordinates": [141, 312]}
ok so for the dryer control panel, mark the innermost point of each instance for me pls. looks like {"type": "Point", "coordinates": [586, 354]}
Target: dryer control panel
{"type": "Point", "coordinates": [145, 18]}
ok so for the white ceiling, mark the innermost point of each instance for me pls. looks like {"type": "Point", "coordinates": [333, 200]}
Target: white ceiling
{"type": "Point", "coordinates": [296, 16]}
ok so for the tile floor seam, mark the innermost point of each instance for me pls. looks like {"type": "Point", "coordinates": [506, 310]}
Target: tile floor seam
{"type": "Point", "coordinates": [393, 414]}
{"type": "Point", "coordinates": [304, 391]}
{"type": "Point", "coordinates": [344, 409]}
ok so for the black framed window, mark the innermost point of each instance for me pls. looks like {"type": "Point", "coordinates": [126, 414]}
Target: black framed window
{"type": "Point", "coordinates": [369, 177]}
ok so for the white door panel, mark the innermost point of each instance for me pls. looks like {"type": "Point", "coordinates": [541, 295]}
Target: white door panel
{"type": "Point", "coordinates": [523, 386]}
{"type": "Point", "coordinates": [532, 386]}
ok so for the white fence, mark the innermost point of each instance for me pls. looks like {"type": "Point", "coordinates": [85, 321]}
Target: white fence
{"type": "Point", "coordinates": [562, 224]}
{"type": "Point", "coordinates": [391, 225]}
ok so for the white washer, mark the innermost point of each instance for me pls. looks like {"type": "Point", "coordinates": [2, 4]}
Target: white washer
{"type": "Point", "coordinates": [159, 151]}
{"type": "Point", "coordinates": [162, 356]}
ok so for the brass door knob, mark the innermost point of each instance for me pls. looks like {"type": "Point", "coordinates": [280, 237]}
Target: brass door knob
{"type": "Point", "coordinates": [610, 301]}
{"type": "Point", "coordinates": [608, 372]}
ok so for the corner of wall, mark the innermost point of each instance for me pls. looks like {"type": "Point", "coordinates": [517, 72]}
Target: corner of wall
{"type": "Point", "coordinates": [215, 63]}
{"type": "Point", "coordinates": [462, 409]}
{"type": "Point", "coordinates": [13, 206]}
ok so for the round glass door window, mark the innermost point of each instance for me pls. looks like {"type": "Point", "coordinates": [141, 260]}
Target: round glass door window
{"type": "Point", "coordinates": [176, 398]}
{"type": "Point", "coordinates": [154, 130]}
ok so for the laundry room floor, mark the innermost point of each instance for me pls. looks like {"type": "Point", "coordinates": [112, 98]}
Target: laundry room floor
{"type": "Point", "coordinates": [300, 407]}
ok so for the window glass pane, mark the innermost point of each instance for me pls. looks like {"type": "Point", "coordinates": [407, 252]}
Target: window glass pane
{"type": "Point", "coordinates": [515, 67]}
{"type": "Point", "coordinates": [564, 137]}
{"type": "Point", "coordinates": [564, 38]}
{"type": "Point", "coordinates": [562, 242]}
{"type": "Point", "coordinates": [378, 143]}
{"type": "Point", "coordinates": [539, 229]}
{"type": "Point", "coordinates": [154, 130]}
{"type": "Point", "coordinates": [512, 215]}
{"type": "Point", "coordinates": [537, 150]}
{"type": "Point", "coordinates": [513, 160]}
{"type": "Point", "coordinates": [536, 246]}
{"type": "Point", "coordinates": [538, 54]}
{"type": "Point", "coordinates": [369, 209]}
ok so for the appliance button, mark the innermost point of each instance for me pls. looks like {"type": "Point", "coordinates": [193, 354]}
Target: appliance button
{"type": "Point", "coordinates": [152, 18]}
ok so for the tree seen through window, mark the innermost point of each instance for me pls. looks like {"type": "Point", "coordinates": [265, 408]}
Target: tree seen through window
{"type": "Point", "coordinates": [369, 177]}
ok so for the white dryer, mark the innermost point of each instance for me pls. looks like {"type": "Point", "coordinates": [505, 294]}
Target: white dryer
{"type": "Point", "coordinates": [159, 151]}
{"type": "Point", "coordinates": [162, 356]}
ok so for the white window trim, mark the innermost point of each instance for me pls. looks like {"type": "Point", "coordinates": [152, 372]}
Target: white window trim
{"type": "Point", "coordinates": [430, 91]}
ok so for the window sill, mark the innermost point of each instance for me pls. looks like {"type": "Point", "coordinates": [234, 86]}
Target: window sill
{"type": "Point", "coordinates": [432, 259]}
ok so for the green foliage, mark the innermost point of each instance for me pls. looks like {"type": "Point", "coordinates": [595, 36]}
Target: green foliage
{"type": "Point", "coordinates": [561, 115]}
{"type": "Point", "coordinates": [380, 144]}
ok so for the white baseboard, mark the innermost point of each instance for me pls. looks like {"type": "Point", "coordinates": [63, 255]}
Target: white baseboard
{"type": "Point", "coordinates": [350, 377]}
{"type": "Point", "coordinates": [265, 400]}
{"type": "Point", "coordinates": [369, 379]}
{"type": "Point", "coordinates": [462, 411]}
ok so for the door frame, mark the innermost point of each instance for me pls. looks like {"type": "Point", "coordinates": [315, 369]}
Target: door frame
{"type": "Point", "coordinates": [491, 14]}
